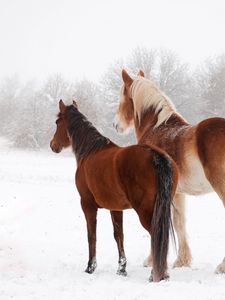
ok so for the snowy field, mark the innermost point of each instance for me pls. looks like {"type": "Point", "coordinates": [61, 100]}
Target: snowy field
{"type": "Point", "coordinates": [44, 250]}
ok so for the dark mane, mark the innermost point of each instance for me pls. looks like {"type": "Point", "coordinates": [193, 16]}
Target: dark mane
{"type": "Point", "coordinates": [84, 136]}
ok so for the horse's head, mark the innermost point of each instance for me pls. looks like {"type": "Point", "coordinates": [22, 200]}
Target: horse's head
{"type": "Point", "coordinates": [61, 139]}
{"type": "Point", "coordinates": [125, 113]}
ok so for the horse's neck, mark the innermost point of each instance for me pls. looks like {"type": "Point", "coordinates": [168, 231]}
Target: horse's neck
{"type": "Point", "coordinates": [142, 127]}
{"type": "Point", "coordinates": [84, 136]}
{"type": "Point", "coordinates": [147, 133]}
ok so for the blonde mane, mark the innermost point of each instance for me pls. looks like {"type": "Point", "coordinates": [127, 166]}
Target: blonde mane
{"type": "Point", "coordinates": [146, 94]}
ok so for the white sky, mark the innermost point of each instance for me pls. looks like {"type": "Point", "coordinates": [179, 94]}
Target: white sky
{"type": "Point", "coordinates": [82, 37]}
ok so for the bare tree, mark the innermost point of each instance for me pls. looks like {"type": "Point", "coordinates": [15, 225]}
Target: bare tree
{"type": "Point", "coordinates": [86, 93]}
{"type": "Point", "coordinates": [9, 96]}
{"type": "Point", "coordinates": [210, 79]}
{"type": "Point", "coordinates": [111, 80]}
{"type": "Point", "coordinates": [56, 87]}
{"type": "Point", "coordinates": [144, 59]}
{"type": "Point", "coordinates": [28, 112]}
{"type": "Point", "coordinates": [175, 80]}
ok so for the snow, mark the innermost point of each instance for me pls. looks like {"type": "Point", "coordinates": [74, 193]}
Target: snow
{"type": "Point", "coordinates": [44, 249]}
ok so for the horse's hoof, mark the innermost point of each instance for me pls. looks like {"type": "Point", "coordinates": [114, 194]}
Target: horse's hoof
{"type": "Point", "coordinates": [122, 273]}
{"type": "Point", "coordinates": [122, 267]}
{"type": "Point", "coordinates": [179, 263]}
{"type": "Point", "coordinates": [91, 268]}
{"type": "Point", "coordinates": [165, 278]}
{"type": "Point", "coordinates": [221, 268]}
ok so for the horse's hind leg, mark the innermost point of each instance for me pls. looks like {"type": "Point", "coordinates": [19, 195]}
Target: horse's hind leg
{"type": "Point", "coordinates": [90, 212]}
{"type": "Point", "coordinates": [211, 150]}
{"type": "Point", "coordinates": [117, 220]}
{"type": "Point", "coordinates": [218, 183]}
{"type": "Point", "coordinates": [145, 221]}
{"type": "Point", "coordinates": [184, 253]}
{"type": "Point", "coordinates": [220, 190]}
{"type": "Point", "coordinates": [145, 218]}
{"type": "Point", "coordinates": [148, 261]}
{"type": "Point", "coordinates": [220, 269]}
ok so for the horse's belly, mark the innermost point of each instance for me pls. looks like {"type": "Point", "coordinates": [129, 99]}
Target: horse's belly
{"type": "Point", "coordinates": [192, 178]}
{"type": "Point", "coordinates": [111, 200]}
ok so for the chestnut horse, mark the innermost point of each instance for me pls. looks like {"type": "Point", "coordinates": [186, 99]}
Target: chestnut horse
{"type": "Point", "coordinates": [198, 150]}
{"type": "Point", "coordinates": [116, 178]}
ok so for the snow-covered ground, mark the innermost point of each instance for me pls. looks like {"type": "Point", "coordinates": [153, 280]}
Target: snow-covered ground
{"type": "Point", "coordinates": [44, 250]}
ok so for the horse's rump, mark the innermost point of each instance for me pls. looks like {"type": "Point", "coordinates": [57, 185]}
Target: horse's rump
{"type": "Point", "coordinates": [210, 136]}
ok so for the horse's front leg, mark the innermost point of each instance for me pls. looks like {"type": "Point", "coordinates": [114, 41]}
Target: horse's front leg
{"type": "Point", "coordinates": [90, 212]}
{"type": "Point", "coordinates": [184, 254]}
{"type": "Point", "coordinates": [117, 220]}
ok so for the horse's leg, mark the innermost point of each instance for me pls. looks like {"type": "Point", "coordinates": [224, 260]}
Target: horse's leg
{"type": "Point", "coordinates": [184, 254]}
{"type": "Point", "coordinates": [145, 218]}
{"type": "Point", "coordinates": [148, 261]}
{"type": "Point", "coordinates": [117, 220]}
{"type": "Point", "coordinates": [90, 213]}
{"type": "Point", "coordinates": [145, 221]}
{"type": "Point", "coordinates": [210, 136]}
{"type": "Point", "coordinates": [220, 269]}
{"type": "Point", "coordinates": [217, 182]}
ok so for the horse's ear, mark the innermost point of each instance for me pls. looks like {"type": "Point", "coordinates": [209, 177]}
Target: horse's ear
{"type": "Point", "coordinates": [62, 106]}
{"type": "Point", "coordinates": [75, 103]}
{"type": "Point", "coordinates": [126, 78]}
{"type": "Point", "coordinates": [141, 73]}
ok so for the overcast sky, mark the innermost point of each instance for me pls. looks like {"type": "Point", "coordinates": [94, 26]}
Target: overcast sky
{"type": "Point", "coordinates": [82, 37]}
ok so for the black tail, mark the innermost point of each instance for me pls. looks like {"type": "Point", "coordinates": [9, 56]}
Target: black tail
{"type": "Point", "coordinates": [161, 220]}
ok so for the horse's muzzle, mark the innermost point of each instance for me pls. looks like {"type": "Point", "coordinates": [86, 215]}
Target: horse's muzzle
{"type": "Point", "coordinates": [115, 126]}
{"type": "Point", "coordinates": [55, 148]}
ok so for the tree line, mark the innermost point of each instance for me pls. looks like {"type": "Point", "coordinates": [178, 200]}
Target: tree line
{"type": "Point", "coordinates": [28, 111]}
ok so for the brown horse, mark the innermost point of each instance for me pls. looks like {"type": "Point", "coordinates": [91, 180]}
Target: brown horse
{"type": "Point", "coordinates": [198, 150]}
{"type": "Point", "coordinates": [116, 178]}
